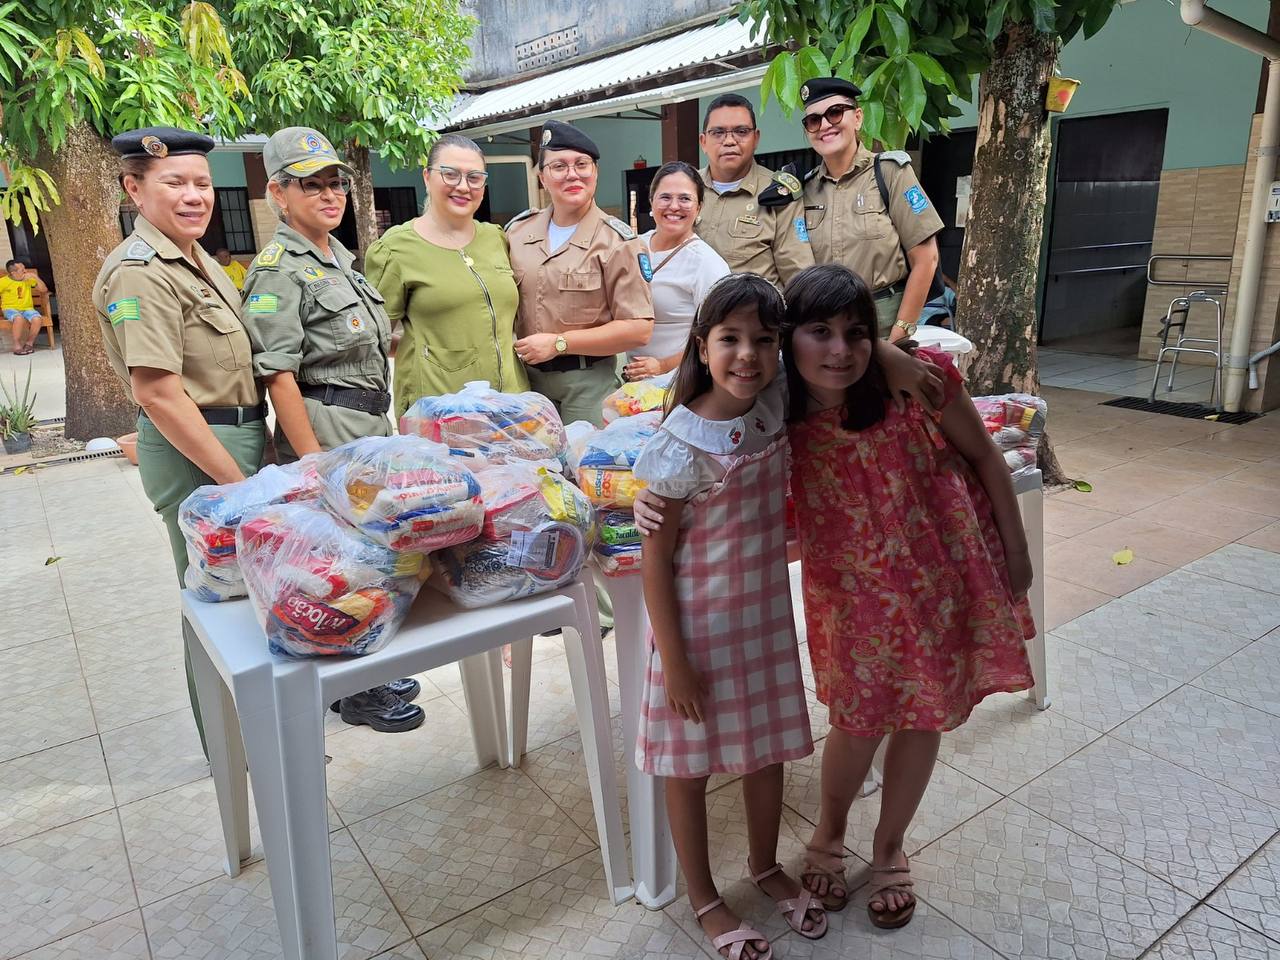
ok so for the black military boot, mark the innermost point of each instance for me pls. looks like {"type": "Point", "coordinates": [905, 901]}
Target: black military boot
{"type": "Point", "coordinates": [382, 710]}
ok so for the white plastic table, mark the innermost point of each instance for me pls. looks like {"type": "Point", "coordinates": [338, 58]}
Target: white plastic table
{"type": "Point", "coordinates": [270, 712]}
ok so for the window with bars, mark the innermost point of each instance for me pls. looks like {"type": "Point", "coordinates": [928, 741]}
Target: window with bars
{"type": "Point", "coordinates": [231, 225]}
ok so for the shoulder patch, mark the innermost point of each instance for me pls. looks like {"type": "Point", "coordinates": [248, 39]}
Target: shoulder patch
{"type": "Point", "coordinates": [621, 229]}
{"type": "Point", "coordinates": [118, 311]}
{"type": "Point", "coordinates": [139, 250]}
{"type": "Point", "coordinates": [270, 255]}
{"type": "Point", "coordinates": [916, 199]}
{"type": "Point", "coordinates": [521, 216]}
{"type": "Point", "coordinates": [260, 303]}
{"type": "Point", "coordinates": [900, 157]}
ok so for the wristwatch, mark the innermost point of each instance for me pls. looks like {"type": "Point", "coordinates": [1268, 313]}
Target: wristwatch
{"type": "Point", "coordinates": [906, 327]}
{"type": "Point", "coordinates": [561, 344]}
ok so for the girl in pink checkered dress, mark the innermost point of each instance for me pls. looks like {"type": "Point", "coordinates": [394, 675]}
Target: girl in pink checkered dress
{"type": "Point", "coordinates": [723, 690]}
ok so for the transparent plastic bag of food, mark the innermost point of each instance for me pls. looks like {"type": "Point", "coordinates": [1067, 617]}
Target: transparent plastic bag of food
{"type": "Point", "coordinates": [208, 519]}
{"type": "Point", "coordinates": [492, 427]}
{"type": "Point", "coordinates": [618, 445]}
{"type": "Point", "coordinates": [1016, 422]}
{"type": "Point", "coordinates": [318, 586]}
{"type": "Point", "coordinates": [538, 529]}
{"type": "Point", "coordinates": [637, 396]}
{"type": "Point", "coordinates": [405, 492]}
{"type": "Point", "coordinates": [618, 560]}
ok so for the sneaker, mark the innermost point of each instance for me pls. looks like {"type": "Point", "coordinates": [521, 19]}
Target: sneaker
{"type": "Point", "coordinates": [406, 689]}
{"type": "Point", "coordinates": [382, 710]}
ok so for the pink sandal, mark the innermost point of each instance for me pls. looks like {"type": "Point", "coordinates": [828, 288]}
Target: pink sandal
{"type": "Point", "coordinates": [796, 909]}
{"type": "Point", "coordinates": [735, 940]}
{"type": "Point", "coordinates": [831, 870]}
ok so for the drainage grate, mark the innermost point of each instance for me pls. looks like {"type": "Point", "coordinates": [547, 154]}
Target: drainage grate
{"type": "Point", "coordinates": [1190, 411]}
{"type": "Point", "coordinates": [97, 455]}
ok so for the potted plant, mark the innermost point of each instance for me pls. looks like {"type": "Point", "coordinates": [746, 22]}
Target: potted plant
{"type": "Point", "coordinates": [17, 416]}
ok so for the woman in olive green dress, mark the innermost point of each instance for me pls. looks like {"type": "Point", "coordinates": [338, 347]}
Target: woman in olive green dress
{"type": "Point", "coordinates": [447, 280]}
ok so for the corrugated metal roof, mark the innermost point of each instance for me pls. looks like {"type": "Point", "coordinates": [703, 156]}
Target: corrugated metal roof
{"type": "Point", "coordinates": [701, 45]}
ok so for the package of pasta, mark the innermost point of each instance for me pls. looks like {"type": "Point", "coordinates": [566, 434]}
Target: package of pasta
{"type": "Point", "coordinates": [618, 445]}
{"type": "Point", "coordinates": [637, 396]}
{"type": "Point", "coordinates": [405, 492]}
{"type": "Point", "coordinates": [607, 487]}
{"type": "Point", "coordinates": [538, 528]}
{"type": "Point", "coordinates": [210, 515]}
{"type": "Point", "coordinates": [618, 560]}
{"type": "Point", "coordinates": [319, 586]}
{"type": "Point", "coordinates": [491, 427]}
{"type": "Point", "coordinates": [618, 528]}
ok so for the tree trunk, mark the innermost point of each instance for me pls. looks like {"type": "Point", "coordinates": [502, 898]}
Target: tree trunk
{"type": "Point", "coordinates": [362, 197]}
{"type": "Point", "coordinates": [83, 229]}
{"type": "Point", "coordinates": [1001, 256]}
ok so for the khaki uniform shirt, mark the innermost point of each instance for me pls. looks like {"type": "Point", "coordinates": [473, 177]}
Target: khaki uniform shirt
{"type": "Point", "coordinates": [770, 241]}
{"type": "Point", "coordinates": [593, 278]}
{"type": "Point", "coordinates": [848, 222]}
{"type": "Point", "coordinates": [156, 308]}
{"type": "Point", "coordinates": [322, 322]}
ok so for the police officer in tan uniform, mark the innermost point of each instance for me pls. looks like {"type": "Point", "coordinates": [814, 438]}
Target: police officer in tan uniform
{"type": "Point", "coordinates": [892, 246]}
{"type": "Point", "coordinates": [583, 295]}
{"type": "Point", "coordinates": [170, 323]}
{"type": "Point", "coordinates": [750, 216]}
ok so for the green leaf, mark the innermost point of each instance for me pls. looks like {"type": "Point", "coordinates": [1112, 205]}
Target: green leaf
{"type": "Point", "coordinates": [1043, 15]}
{"type": "Point", "coordinates": [930, 69]}
{"type": "Point", "coordinates": [812, 63]}
{"type": "Point", "coordinates": [1082, 486]}
{"type": "Point", "coordinates": [49, 561]}
{"type": "Point", "coordinates": [858, 30]}
{"type": "Point", "coordinates": [894, 32]}
{"type": "Point", "coordinates": [935, 45]}
{"type": "Point", "coordinates": [911, 95]}
{"type": "Point", "coordinates": [872, 119]}
{"type": "Point", "coordinates": [995, 19]}
{"type": "Point", "coordinates": [1096, 15]}
{"type": "Point", "coordinates": [1122, 558]}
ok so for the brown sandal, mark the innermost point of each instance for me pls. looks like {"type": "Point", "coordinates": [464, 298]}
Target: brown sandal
{"type": "Point", "coordinates": [832, 871]}
{"type": "Point", "coordinates": [891, 919]}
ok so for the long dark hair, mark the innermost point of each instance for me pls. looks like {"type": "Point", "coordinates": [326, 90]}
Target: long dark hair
{"type": "Point", "coordinates": [822, 293]}
{"type": "Point", "coordinates": [693, 377]}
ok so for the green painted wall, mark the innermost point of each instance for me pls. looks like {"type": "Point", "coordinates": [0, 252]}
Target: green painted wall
{"type": "Point", "coordinates": [227, 168]}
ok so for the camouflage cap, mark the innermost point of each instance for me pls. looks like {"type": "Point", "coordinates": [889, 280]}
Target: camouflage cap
{"type": "Point", "coordinates": [300, 152]}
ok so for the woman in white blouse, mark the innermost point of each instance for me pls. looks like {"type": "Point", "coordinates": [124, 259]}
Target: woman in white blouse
{"type": "Point", "coordinates": [679, 265]}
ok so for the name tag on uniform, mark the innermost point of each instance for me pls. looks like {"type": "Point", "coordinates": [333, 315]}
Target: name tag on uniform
{"type": "Point", "coordinates": [646, 267]}
{"type": "Point", "coordinates": [749, 219]}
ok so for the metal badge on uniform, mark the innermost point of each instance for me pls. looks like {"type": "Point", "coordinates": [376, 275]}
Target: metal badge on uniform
{"type": "Point", "coordinates": [155, 146]}
{"type": "Point", "coordinates": [916, 198]}
{"type": "Point", "coordinates": [646, 266]}
{"type": "Point", "coordinates": [355, 323]}
{"type": "Point", "coordinates": [750, 220]}
{"type": "Point", "coordinates": [802, 230]}
{"type": "Point", "coordinates": [861, 201]}
{"type": "Point", "coordinates": [313, 273]}
{"type": "Point", "coordinates": [546, 137]}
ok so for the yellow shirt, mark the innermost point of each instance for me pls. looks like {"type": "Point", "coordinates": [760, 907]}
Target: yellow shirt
{"type": "Point", "coordinates": [236, 271]}
{"type": "Point", "coordinates": [16, 294]}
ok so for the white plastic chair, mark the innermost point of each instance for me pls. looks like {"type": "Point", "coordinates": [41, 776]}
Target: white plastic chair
{"type": "Point", "coordinates": [279, 705]}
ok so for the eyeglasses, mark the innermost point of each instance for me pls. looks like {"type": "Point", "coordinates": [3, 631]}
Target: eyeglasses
{"type": "Point", "coordinates": [453, 177]}
{"type": "Point", "coordinates": [673, 200]}
{"type": "Point", "coordinates": [313, 187]}
{"type": "Point", "coordinates": [833, 115]}
{"type": "Point", "coordinates": [719, 134]}
{"type": "Point", "coordinates": [558, 169]}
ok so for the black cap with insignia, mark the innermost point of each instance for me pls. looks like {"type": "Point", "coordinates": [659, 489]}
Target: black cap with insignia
{"type": "Point", "coordinates": [558, 135]}
{"type": "Point", "coordinates": [822, 87]}
{"type": "Point", "coordinates": [785, 188]}
{"type": "Point", "coordinates": [161, 142]}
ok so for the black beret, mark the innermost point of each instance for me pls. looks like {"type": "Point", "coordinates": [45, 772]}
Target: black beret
{"type": "Point", "coordinates": [784, 188]}
{"type": "Point", "coordinates": [822, 87]}
{"type": "Point", "coordinates": [557, 135]}
{"type": "Point", "coordinates": [161, 142]}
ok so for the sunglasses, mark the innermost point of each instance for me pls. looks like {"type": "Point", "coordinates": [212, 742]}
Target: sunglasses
{"type": "Point", "coordinates": [833, 115]}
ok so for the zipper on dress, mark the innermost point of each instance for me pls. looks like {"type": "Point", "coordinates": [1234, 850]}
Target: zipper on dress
{"type": "Point", "coordinates": [493, 316]}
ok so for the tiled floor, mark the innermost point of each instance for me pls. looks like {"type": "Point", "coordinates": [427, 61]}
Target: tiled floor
{"type": "Point", "coordinates": [1123, 376]}
{"type": "Point", "coordinates": [1138, 817]}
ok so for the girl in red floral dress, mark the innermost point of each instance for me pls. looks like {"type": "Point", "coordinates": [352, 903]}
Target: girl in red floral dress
{"type": "Point", "coordinates": [915, 570]}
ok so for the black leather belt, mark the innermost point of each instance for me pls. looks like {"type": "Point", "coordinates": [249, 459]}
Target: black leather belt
{"type": "Point", "coordinates": [233, 416]}
{"type": "Point", "coordinates": [892, 290]}
{"type": "Point", "coordinates": [570, 361]}
{"type": "Point", "coordinates": [353, 398]}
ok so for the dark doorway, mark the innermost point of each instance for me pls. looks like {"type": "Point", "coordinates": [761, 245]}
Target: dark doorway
{"type": "Point", "coordinates": [945, 162]}
{"type": "Point", "coordinates": [1106, 182]}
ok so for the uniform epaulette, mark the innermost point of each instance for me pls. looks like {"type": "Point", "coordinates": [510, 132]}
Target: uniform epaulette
{"type": "Point", "coordinates": [139, 251]}
{"type": "Point", "coordinates": [812, 173]}
{"type": "Point", "coordinates": [520, 217]}
{"type": "Point", "coordinates": [620, 228]}
{"type": "Point", "coordinates": [270, 255]}
{"type": "Point", "coordinates": [900, 157]}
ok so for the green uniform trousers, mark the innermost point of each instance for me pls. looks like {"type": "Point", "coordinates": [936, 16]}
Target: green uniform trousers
{"type": "Point", "coordinates": [167, 478]}
{"type": "Point", "coordinates": [333, 426]}
{"type": "Point", "coordinates": [887, 313]}
{"type": "Point", "coordinates": [579, 395]}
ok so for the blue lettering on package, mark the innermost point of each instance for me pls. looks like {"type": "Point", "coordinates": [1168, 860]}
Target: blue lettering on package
{"type": "Point", "coordinates": [915, 196]}
{"type": "Point", "coordinates": [802, 230]}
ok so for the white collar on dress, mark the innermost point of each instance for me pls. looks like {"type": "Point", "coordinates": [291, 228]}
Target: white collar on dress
{"type": "Point", "coordinates": [722, 436]}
